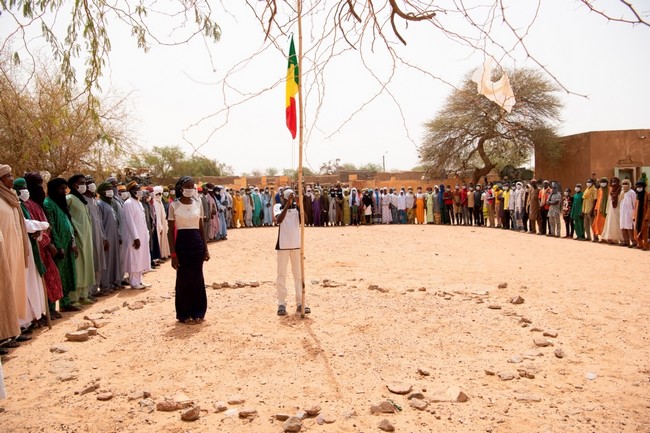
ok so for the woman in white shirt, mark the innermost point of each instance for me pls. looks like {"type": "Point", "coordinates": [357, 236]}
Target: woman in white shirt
{"type": "Point", "coordinates": [189, 250]}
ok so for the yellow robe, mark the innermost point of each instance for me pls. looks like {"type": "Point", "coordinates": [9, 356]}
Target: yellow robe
{"type": "Point", "coordinates": [238, 210]}
{"type": "Point", "coordinates": [11, 219]}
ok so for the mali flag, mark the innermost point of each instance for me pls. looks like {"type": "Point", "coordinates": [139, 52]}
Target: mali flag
{"type": "Point", "coordinates": [293, 86]}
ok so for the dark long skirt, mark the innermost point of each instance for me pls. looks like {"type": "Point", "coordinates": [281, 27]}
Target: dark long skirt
{"type": "Point", "coordinates": [191, 300]}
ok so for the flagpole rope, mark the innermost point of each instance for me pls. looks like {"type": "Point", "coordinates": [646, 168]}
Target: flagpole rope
{"type": "Point", "coordinates": [300, 148]}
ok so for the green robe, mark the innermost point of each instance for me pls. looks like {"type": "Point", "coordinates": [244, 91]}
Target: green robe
{"type": "Point", "coordinates": [346, 210]}
{"type": "Point", "coordinates": [83, 234]}
{"type": "Point", "coordinates": [61, 234]}
{"type": "Point", "coordinates": [576, 216]}
{"type": "Point", "coordinates": [257, 204]}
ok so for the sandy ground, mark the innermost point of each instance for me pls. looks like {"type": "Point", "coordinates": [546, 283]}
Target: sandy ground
{"type": "Point", "coordinates": [357, 341]}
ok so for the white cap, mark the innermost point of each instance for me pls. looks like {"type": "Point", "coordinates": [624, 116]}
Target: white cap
{"type": "Point", "coordinates": [287, 192]}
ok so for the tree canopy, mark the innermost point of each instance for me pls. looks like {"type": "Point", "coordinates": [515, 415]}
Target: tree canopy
{"type": "Point", "coordinates": [472, 135]}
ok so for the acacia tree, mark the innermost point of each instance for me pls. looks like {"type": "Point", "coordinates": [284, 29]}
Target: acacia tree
{"type": "Point", "coordinates": [471, 134]}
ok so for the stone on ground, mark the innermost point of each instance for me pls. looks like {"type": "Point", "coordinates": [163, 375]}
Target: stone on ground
{"type": "Point", "coordinates": [292, 424]}
{"type": "Point", "coordinates": [386, 425]}
{"type": "Point", "coordinates": [191, 414]}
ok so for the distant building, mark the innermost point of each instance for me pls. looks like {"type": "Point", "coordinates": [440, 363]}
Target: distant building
{"type": "Point", "coordinates": [625, 154]}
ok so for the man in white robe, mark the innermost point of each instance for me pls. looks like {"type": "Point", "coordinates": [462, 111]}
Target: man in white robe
{"type": "Point", "coordinates": [161, 222]}
{"type": "Point", "coordinates": [137, 258]}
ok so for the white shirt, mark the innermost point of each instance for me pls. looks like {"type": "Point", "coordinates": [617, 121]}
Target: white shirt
{"type": "Point", "coordinates": [288, 229]}
{"type": "Point", "coordinates": [185, 216]}
{"type": "Point", "coordinates": [401, 202]}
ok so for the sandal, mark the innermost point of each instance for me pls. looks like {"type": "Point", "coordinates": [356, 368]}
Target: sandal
{"type": "Point", "coordinates": [282, 310]}
{"type": "Point", "coordinates": [299, 307]}
{"type": "Point", "coordinates": [11, 344]}
{"type": "Point", "coordinates": [22, 338]}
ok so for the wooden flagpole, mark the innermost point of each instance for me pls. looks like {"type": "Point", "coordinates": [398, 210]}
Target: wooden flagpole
{"type": "Point", "coordinates": [300, 147]}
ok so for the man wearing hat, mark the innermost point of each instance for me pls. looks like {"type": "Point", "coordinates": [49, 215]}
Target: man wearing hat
{"type": "Point", "coordinates": [137, 258]}
{"type": "Point", "coordinates": [287, 216]}
{"type": "Point", "coordinates": [589, 197]}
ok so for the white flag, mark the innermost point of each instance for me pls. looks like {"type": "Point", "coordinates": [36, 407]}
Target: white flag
{"type": "Point", "coordinates": [499, 91]}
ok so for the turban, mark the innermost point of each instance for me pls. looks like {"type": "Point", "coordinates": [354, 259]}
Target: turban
{"type": "Point", "coordinates": [158, 189]}
{"type": "Point", "coordinates": [4, 170]}
{"type": "Point", "coordinates": [121, 188]}
{"type": "Point", "coordinates": [103, 187]}
{"type": "Point", "coordinates": [110, 179]}
{"type": "Point", "coordinates": [33, 178]}
{"type": "Point", "coordinates": [74, 179]}
{"type": "Point", "coordinates": [20, 183]}
{"type": "Point", "coordinates": [131, 185]}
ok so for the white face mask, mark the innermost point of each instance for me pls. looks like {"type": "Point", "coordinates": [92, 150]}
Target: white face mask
{"type": "Point", "coordinates": [640, 189]}
{"type": "Point", "coordinates": [189, 192]}
{"type": "Point", "coordinates": [165, 194]}
{"type": "Point", "coordinates": [603, 184]}
{"type": "Point", "coordinates": [24, 194]}
{"type": "Point", "coordinates": [92, 187]}
{"type": "Point", "coordinates": [125, 195]}
{"type": "Point", "coordinates": [81, 188]}
{"type": "Point", "coordinates": [109, 193]}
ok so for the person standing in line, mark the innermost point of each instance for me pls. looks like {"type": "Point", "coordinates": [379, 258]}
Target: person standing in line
{"type": "Point", "coordinates": [221, 202]}
{"type": "Point", "coordinates": [267, 207]}
{"type": "Point", "coordinates": [354, 203]}
{"type": "Point", "coordinates": [386, 214]}
{"type": "Point", "coordinates": [80, 217]}
{"type": "Point", "coordinates": [576, 213]}
{"type": "Point", "coordinates": [467, 202]}
{"type": "Point", "coordinates": [62, 232]}
{"type": "Point", "coordinates": [508, 200]}
{"type": "Point", "coordinates": [410, 206]}
{"type": "Point", "coordinates": [100, 244]}
{"type": "Point", "coordinates": [287, 248]}
{"type": "Point", "coordinates": [554, 210]}
{"type": "Point", "coordinates": [249, 208]}
{"type": "Point", "coordinates": [307, 200]}
{"type": "Point", "coordinates": [544, 194]}
{"type": "Point", "coordinates": [448, 201]}
{"type": "Point", "coordinates": [612, 230]}
{"type": "Point", "coordinates": [189, 248]}
{"type": "Point", "coordinates": [316, 206]}
{"type": "Point", "coordinates": [394, 194]}
{"type": "Point", "coordinates": [641, 215]}
{"type": "Point", "coordinates": [258, 212]}
{"type": "Point", "coordinates": [111, 276]}
{"type": "Point", "coordinates": [161, 222]}
{"type": "Point", "coordinates": [567, 203]}
{"type": "Point", "coordinates": [455, 195]}
{"type": "Point", "coordinates": [137, 258]}
{"type": "Point", "coordinates": [519, 205]}
{"type": "Point", "coordinates": [429, 200]}
{"type": "Point", "coordinates": [628, 199]}
{"type": "Point", "coordinates": [588, 201]}
{"type": "Point", "coordinates": [238, 211]}
{"type": "Point", "coordinates": [46, 248]}
{"type": "Point", "coordinates": [600, 209]}
{"type": "Point", "coordinates": [366, 200]}
{"type": "Point", "coordinates": [532, 206]}
{"type": "Point", "coordinates": [478, 206]}
{"type": "Point", "coordinates": [490, 200]}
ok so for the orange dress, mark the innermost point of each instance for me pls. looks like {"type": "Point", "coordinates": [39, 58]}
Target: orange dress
{"type": "Point", "coordinates": [419, 208]}
{"type": "Point", "coordinates": [599, 220]}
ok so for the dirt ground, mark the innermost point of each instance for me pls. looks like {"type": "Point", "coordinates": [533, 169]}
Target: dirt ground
{"type": "Point", "coordinates": [439, 312]}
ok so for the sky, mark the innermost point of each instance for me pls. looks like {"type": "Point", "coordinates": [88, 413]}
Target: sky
{"type": "Point", "coordinates": [177, 93]}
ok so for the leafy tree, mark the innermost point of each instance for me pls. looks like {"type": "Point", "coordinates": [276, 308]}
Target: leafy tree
{"type": "Point", "coordinates": [42, 129]}
{"type": "Point", "coordinates": [170, 161]}
{"type": "Point", "coordinates": [371, 166]}
{"type": "Point", "coordinates": [471, 135]}
{"type": "Point", "coordinates": [271, 171]}
{"type": "Point", "coordinates": [347, 166]}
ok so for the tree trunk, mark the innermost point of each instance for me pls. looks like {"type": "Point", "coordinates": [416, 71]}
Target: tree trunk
{"type": "Point", "coordinates": [487, 164]}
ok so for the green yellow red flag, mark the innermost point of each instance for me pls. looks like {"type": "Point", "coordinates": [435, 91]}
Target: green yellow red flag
{"type": "Point", "coordinates": [293, 86]}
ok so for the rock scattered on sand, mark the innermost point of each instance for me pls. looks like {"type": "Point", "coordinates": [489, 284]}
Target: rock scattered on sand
{"type": "Point", "coordinates": [136, 395]}
{"type": "Point", "coordinates": [552, 334]}
{"type": "Point", "coordinates": [383, 407]}
{"type": "Point", "coordinates": [59, 348]}
{"type": "Point", "coordinates": [236, 399]}
{"type": "Point", "coordinates": [216, 286]}
{"type": "Point", "coordinates": [525, 373]}
{"type": "Point", "coordinates": [399, 388]}
{"type": "Point", "coordinates": [282, 416]}
{"type": "Point", "coordinates": [91, 387]}
{"type": "Point", "coordinates": [490, 372]}
{"type": "Point", "coordinates": [182, 400]}
{"type": "Point", "coordinates": [527, 398]}
{"type": "Point", "coordinates": [423, 371]}
{"type": "Point", "coordinates": [422, 289]}
{"type": "Point", "coordinates": [92, 331]}
{"type": "Point", "coordinates": [254, 283]}
{"type": "Point", "coordinates": [93, 317]}
{"type": "Point", "coordinates": [147, 405]}
{"type": "Point", "coordinates": [301, 415]}
{"type": "Point", "coordinates": [77, 336]}
{"type": "Point", "coordinates": [220, 406]}
{"type": "Point", "coordinates": [542, 342]}
{"type": "Point", "coordinates": [525, 320]}
{"type": "Point", "coordinates": [502, 285]}
{"type": "Point", "coordinates": [83, 326]}
{"type": "Point", "coordinates": [504, 375]}
{"type": "Point", "coordinates": [167, 405]}
{"type": "Point", "coordinates": [517, 300]}
{"type": "Point", "coordinates": [111, 310]}
{"type": "Point", "coordinates": [386, 425]}
{"type": "Point", "coordinates": [417, 394]}
{"type": "Point", "coordinates": [591, 375]}
{"type": "Point", "coordinates": [494, 307]}
{"type": "Point", "coordinates": [313, 410]}
{"type": "Point", "coordinates": [559, 353]}
{"type": "Point", "coordinates": [410, 290]}
{"type": "Point", "coordinates": [225, 285]}
{"type": "Point", "coordinates": [138, 305]}
{"type": "Point", "coordinates": [292, 424]}
{"type": "Point", "coordinates": [536, 329]}
{"type": "Point", "coordinates": [418, 404]}
{"type": "Point", "coordinates": [456, 394]}
{"type": "Point", "coordinates": [105, 396]}
{"type": "Point", "coordinates": [325, 418]}
{"type": "Point", "coordinates": [515, 359]}
{"type": "Point", "coordinates": [247, 413]}
{"type": "Point", "coordinates": [191, 414]}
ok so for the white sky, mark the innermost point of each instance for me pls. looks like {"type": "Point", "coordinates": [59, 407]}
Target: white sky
{"type": "Point", "coordinates": [175, 87]}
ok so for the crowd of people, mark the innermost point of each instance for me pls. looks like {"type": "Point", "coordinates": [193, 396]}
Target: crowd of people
{"type": "Point", "coordinates": [78, 240]}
